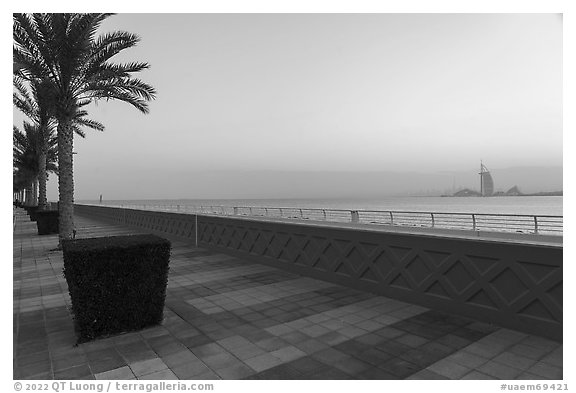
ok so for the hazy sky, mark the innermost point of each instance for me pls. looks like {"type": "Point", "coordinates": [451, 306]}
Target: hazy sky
{"type": "Point", "coordinates": [316, 92]}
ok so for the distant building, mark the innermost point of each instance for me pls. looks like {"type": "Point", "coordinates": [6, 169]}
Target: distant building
{"type": "Point", "coordinates": [467, 193]}
{"type": "Point", "coordinates": [486, 181]}
{"type": "Point", "coordinates": [487, 188]}
{"type": "Point", "coordinates": [486, 185]}
{"type": "Point", "coordinates": [514, 191]}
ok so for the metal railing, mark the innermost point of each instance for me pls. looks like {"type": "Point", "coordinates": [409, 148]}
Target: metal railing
{"type": "Point", "coordinates": [511, 223]}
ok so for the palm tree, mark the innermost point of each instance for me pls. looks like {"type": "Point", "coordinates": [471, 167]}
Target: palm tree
{"type": "Point", "coordinates": [24, 159]}
{"type": "Point", "coordinates": [38, 105]}
{"type": "Point", "coordinates": [19, 184]}
{"type": "Point", "coordinates": [28, 157]}
{"type": "Point", "coordinates": [64, 49]}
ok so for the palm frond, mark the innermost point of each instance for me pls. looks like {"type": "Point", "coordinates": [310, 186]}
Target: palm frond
{"type": "Point", "coordinates": [78, 131]}
{"type": "Point", "coordinates": [108, 45]}
{"type": "Point", "coordinates": [30, 52]}
{"type": "Point", "coordinates": [82, 121]}
{"type": "Point", "coordinates": [130, 90]}
{"type": "Point", "coordinates": [111, 71]}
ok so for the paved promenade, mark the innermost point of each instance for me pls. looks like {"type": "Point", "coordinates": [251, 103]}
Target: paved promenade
{"type": "Point", "coordinates": [230, 318]}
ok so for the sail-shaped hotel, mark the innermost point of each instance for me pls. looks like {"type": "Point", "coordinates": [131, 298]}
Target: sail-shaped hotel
{"type": "Point", "coordinates": [486, 181]}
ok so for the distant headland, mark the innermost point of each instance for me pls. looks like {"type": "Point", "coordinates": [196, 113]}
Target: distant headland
{"type": "Point", "coordinates": [512, 192]}
{"type": "Point", "coordinates": [487, 188]}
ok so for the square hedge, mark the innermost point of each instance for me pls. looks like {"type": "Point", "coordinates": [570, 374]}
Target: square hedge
{"type": "Point", "coordinates": [31, 210]}
{"type": "Point", "coordinates": [116, 284]}
{"type": "Point", "coordinates": [47, 221]}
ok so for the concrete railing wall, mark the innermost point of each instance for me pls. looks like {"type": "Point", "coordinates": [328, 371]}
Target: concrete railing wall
{"type": "Point", "coordinates": [515, 285]}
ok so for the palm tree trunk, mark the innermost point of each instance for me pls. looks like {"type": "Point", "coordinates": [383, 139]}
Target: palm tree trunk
{"type": "Point", "coordinates": [42, 201]}
{"type": "Point", "coordinates": [65, 180]}
{"type": "Point", "coordinates": [28, 191]}
{"type": "Point", "coordinates": [35, 191]}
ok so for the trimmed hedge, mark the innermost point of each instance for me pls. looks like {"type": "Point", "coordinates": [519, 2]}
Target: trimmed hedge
{"type": "Point", "coordinates": [31, 210]}
{"type": "Point", "coordinates": [117, 284]}
{"type": "Point", "coordinates": [47, 221]}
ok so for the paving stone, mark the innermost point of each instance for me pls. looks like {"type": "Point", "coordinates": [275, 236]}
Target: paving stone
{"type": "Point", "coordinates": [147, 366]}
{"type": "Point", "coordinates": [42, 356]}
{"type": "Point", "coordinates": [262, 362]}
{"type": "Point", "coordinates": [102, 353]}
{"type": "Point", "coordinates": [352, 366]}
{"type": "Point", "coordinates": [529, 376]}
{"type": "Point", "coordinates": [437, 349]}
{"type": "Point", "coordinates": [394, 347]}
{"type": "Point", "coordinates": [371, 339]}
{"type": "Point", "coordinates": [499, 370]}
{"type": "Point", "coordinates": [546, 370]}
{"type": "Point", "coordinates": [529, 351]}
{"type": "Point", "coordinates": [238, 371]}
{"type": "Point", "coordinates": [454, 341]}
{"type": "Point", "coordinates": [467, 359]}
{"type": "Point", "coordinates": [427, 375]}
{"type": "Point", "coordinates": [281, 372]}
{"type": "Point", "coordinates": [351, 331]}
{"type": "Point", "coordinates": [178, 358]}
{"type": "Point", "coordinates": [311, 346]}
{"type": "Point", "coordinates": [272, 344]}
{"type": "Point", "coordinates": [352, 347]}
{"type": "Point", "coordinates": [67, 361]}
{"type": "Point", "coordinates": [484, 350]}
{"type": "Point", "coordinates": [31, 349]}
{"type": "Point", "coordinates": [42, 376]}
{"type": "Point", "coordinates": [469, 334]}
{"type": "Point", "coordinates": [206, 350]}
{"type": "Point", "coordinates": [145, 354]}
{"type": "Point", "coordinates": [483, 327]}
{"type": "Point", "coordinates": [233, 342]}
{"type": "Point", "coordinates": [220, 361]}
{"type": "Point", "coordinates": [513, 360]}
{"type": "Point", "coordinates": [81, 371]}
{"type": "Point", "coordinates": [119, 373]}
{"type": "Point", "coordinates": [449, 369]}
{"type": "Point", "coordinates": [279, 330]}
{"type": "Point", "coordinates": [330, 374]}
{"type": "Point", "coordinates": [555, 359]}
{"type": "Point", "coordinates": [421, 358]}
{"type": "Point", "coordinates": [207, 375]}
{"type": "Point", "coordinates": [376, 373]}
{"type": "Point", "coordinates": [512, 336]}
{"type": "Point", "coordinates": [33, 369]}
{"type": "Point", "coordinates": [314, 330]}
{"type": "Point", "coordinates": [400, 368]}
{"type": "Point", "coordinates": [191, 370]}
{"type": "Point", "coordinates": [412, 340]}
{"type": "Point", "coordinates": [329, 355]}
{"type": "Point", "coordinates": [476, 375]}
{"type": "Point", "coordinates": [165, 345]}
{"type": "Point", "coordinates": [374, 356]}
{"type": "Point", "coordinates": [308, 365]}
{"type": "Point", "coordinates": [166, 374]}
{"type": "Point", "coordinates": [196, 341]}
{"type": "Point", "coordinates": [540, 342]}
{"type": "Point", "coordinates": [247, 352]}
{"type": "Point", "coordinates": [369, 325]}
{"type": "Point", "coordinates": [106, 364]}
{"type": "Point", "coordinates": [295, 337]}
{"type": "Point", "coordinates": [287, 354]}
